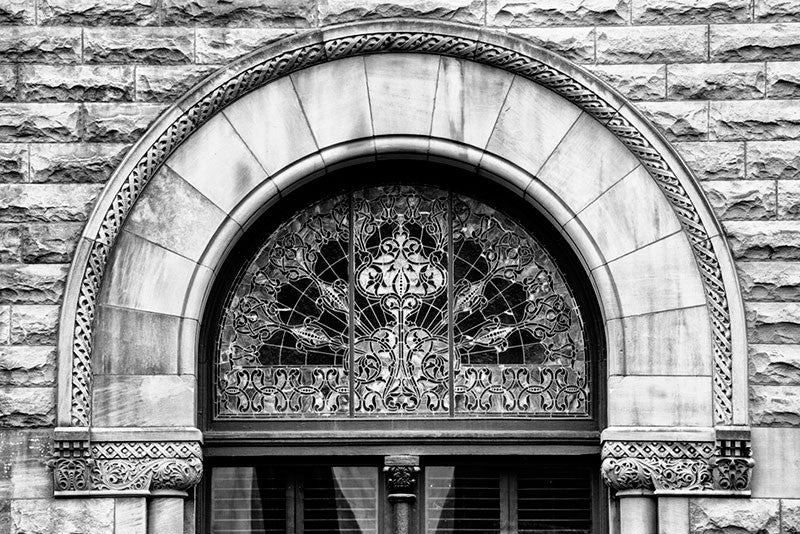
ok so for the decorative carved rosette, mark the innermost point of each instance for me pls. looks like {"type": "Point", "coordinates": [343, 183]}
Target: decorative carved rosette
{"type": "Point", "coordinates": [401, 479]}
{"type": "Point", "coordinates": [129, 466]}
{"type": "Point", "coordinates": [71, 464]}
{"type": "Point", "coordinates": [733, 465]}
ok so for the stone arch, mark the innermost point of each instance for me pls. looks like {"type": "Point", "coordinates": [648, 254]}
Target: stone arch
{"type": "Point", "coordinates": [546, 129]}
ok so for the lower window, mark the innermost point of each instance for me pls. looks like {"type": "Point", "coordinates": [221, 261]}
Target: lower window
{"type": "Point", "coordinates": [534, 496]}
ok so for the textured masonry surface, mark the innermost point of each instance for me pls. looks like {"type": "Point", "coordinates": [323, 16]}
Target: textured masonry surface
{"type": "Point", "coordinates": [80, 80]}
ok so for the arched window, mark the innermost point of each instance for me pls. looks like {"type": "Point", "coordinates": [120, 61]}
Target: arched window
{"type": "Point", "coordinates": [393, 308]}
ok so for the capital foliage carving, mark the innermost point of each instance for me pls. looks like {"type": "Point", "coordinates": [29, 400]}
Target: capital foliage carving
{"type": "Point", "coordinates": [120, 467]}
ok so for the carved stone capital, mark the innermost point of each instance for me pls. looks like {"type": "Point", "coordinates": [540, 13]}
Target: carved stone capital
{"type": "Point", "coordinates": [657, 465]}
{"type": "Point", "coordinates": [120, 467]}
{"type": "Point", "coordinates": [401, 476]}
{"type": "Point", "coordinates": [732, 465]}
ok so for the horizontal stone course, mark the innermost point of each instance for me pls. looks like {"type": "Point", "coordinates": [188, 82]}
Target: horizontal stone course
{"type": "Point", "coordinates": [681, 12]}
{"type": "Point", "coordinates": [765, 280]}
{"type": "Point", "coordinates": [39, 122]}
{"type": "Point", "coordinates": [576, 44]}
{"type": "Point", "coordinates": [773, 160]}
{"type": "Point", "coordinates": [118, 123]}
{"type": "Point", "coordinates": [339, 11]}
{"type": "Point", "coordinates": [98, 12]}
{"type": "Point", "coordinates": [790, 516]}
{"type": "Point", "coordinates": [74, 162]}
{"type": "Point", "coordinates": [788, 199]}
{"type": "Point", "coordinates": [754, 42]}
{"type": "Point", "coordinates": [32, 284]}
{"type": "Point", "coordinates": [76, 83]}
{"type": "Point", "coordinates": [783, 79]}
{"type": "Point", "coordinates": [23, 457]}
{"type": "Point", "coordinates": [24, 365]}
{"type": "Point", "coordinates": [138, 45]}
{"type": "Point", "coordinates": [764, 240]}
{"type": "Point", "coordinates": [754, 120]}
{"type": "Point", "coordinates": [42, 45]}
{"type": "Point", "coordinates": [8, 83]}
{"type": "Point", "coordinates": [721, 160]}
{"type": "Point", "coordinates": [776, 10]}
{"type": "Point", "coordinates": [774, 364]}
{"type": "Point", "coordinates": [556, 12]}
{"type": "Point", "coordinates": [18, 12]}
{"type": "Point", "coordinates": [222, 45]}
{"type": "Point", "coordinates": [742, 199]}
{"type": "Point", "coordinates": [27, 407]}
{"type": "Point", "coordinates": [24, 203]}
{"type": "Point", "coordinates": [168, 84]}
{"type": "Point", "coordinates": [773, 322]}
{"type": "Point", "coordinates": [13, 163]}
{"type": "Point", "coordinates": [652, 44]}
{"type": "Point", "coordinates": [5, 324]}
{"type": "Point", "coordinates": [637, 82]}
{"type": "Point", "coordinates": [66, 516]}
{"type": "Point", "coordinates": [293, 13]}
{"type": "Point", "coordinates": [717, 515]}
{"type": "Point", "coordinates": [47, 242]}
{"type": "Point", "coordinates": [34, 324]}
{"type": "Point", "coordinates": [716, 81]}
{"type": "Point", "coordinates": [775, 405]}
{"type": "Point", "coordinates": [679, 121]}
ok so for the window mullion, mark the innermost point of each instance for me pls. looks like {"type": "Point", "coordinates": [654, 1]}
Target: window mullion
{"type": "Point", "coordinates": [351, 312]}
{"type": "Point", "coordinates": [450, 284]}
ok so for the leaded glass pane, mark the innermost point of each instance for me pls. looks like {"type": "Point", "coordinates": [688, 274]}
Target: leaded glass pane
{"type": "Point", "coordinates": [440, 305]}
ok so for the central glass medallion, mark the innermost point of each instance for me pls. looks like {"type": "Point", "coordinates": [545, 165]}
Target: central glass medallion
{"type": "Point", "coordinates": [401, 300]}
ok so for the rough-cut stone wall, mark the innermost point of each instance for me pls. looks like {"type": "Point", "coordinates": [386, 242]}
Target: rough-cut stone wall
{"type": "Point", "coordinates": [80, 80]}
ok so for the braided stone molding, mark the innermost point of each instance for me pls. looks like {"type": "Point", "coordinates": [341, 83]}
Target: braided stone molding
{"type": "Point", "coordinates": [657, 465]}
{"type": "Point", "coordinates": [427, 42]}
{"type": "Point", "coordinates": [121, 467]}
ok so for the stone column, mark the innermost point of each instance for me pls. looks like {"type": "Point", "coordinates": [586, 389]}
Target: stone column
{"type": "Point", "coordinates": [638, 512]}
{"type": "Point", "coordinates": [165, 512]}
{"type": "Point", "coordinates": [401, 484]}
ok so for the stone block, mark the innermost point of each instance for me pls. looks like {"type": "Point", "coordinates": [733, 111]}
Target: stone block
{"type": "Point", "coordinates": [783, 79]}
{"type": "Point", "coordinates": [659, 401]}
{"type": "Point", "coordinates": [49, 243]}
{"type": "Point", "coordinates": [777, 471]}
{"type": "Point", "coordinates": [682, 12]}
{"type": "Point", "coordinates": [764, 280]}
{"type": "Point", "coordinates": [225, 170]}
{"type": "Point", "coordinates": [32, 284]}
{"type": "Point", "coordinates": [556, 12]}
{"type": "Point", "coordinates": [650, 342]}
{"type": "Point", "coordinates": [679, 121]}
{"type": "Point", "coordinates": [10, 241]}
{"type": "Point", "coordinates": [138, 45]}
{"type": "Point", "coordinates": [754, 120]}
{"type": "Point", "coordinates": [790, 516]}
{"type": "Point", "coordinates": [414, 96]}
{"type": "Point", "coordinates": [576, 44]}
{"type": "Point", "coordinates": [17, 12]}
{"type": "Point", "coordinates": [754, 42]}
{"type": "Point", "coordinates": [22, 365]}
{"type": "Point", "coordinates": [773, 160]}
{"type": "Point", "coordinates": [774, 365]}
{"type": "Point", "coordinates": [287, 13]}
{"type": "Point", "coordinates": [788, 199]}
{"type": "Point", "coordinates": [338, 11]}
{"type": "Point", "coordinates": [76, 83]}
{"type": "Point", "coordinates": [776, 10]}
{"type": "Point", "coordinates": [74, 162]}
{"type": "Point", "coordinates": [5, 324]}
{"type": "Point", "coordinates": [462, 111]}
{"type": "Point", "coordinates": [659, 277]}
{"type": "Point", "coordinates": [764, 240]}
{"type": "Point", "coordinates": [8, 83]}
{"type": "Point", "coordinates": [119, 123]}
{"type": "Point", "coordinates": [27, 407]}
{"type": "Point", "coordinates": [13, 163]}
{"type": "Point", "coordinates": [40, 45]}
{"type": "Point", "coordinates": [168, 83]}
{"type": "Point", "coordinates": [143, 276]}
{"type": "Point", "coordinates": [65, 516]}
{"type": "Point", "coordinates": [98, 12]}
{"type": "Point", "coordinates": [716, 81]}
{"type": "Point", "coordinates": [718, 515]}
{"type": "Point", "coordinates": [721, 160]}
{"type": "Point", "coordinates": [652, 44]}
{"type": "Point", "coordinates": [617, 232]}
{"type": "Point", "coordinates": [334, 98]}
{"type": "Point", "coordinates": [23, 457]}
{"type": "Point", "coordinates": [174, 215]}
{"type": "Point", "coordinates": [775, 405]}
{"type": "Point", "coordinates": [34, 324]}
{"type": "Point", "coordinates": [742, 199]}
{"type": "Point", "coordinates": [165, 516]}
{"type": "Point", "coordinates": [223, 45]}
{"type": "Point", "coordinates": [157, 400]}
{"type": "Point", "coordinates": [637, 82]}
{"type": "Point", "coordinates": [22, 203]}
{"type": "Point", "coordinates": [120, 348]}
{"type": "Point", "coordinates": [39, 122]}
{"type": "Point", "coordinates": [771, 322]}
{"type": "Point", "coordinates": [130, 516]}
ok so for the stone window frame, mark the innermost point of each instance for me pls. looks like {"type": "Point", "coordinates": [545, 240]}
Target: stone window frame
{"type": "Point", "coordinates": [641, 455]}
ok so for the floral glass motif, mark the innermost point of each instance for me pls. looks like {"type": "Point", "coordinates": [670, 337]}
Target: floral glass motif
{"type": "Point", "coordinates": [401, 300]}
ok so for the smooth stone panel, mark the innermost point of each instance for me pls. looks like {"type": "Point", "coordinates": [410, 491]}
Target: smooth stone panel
{"type": "Point", "coordinates": [133, 400]}
{"type": "Point", "coordinates": [272, 124]}
{"type": "Point", "coordinates": [65, 516]}
{"type": "Point", "coordinates": [717, 515]}
{"type": "Point", "coordinates": [673, 515]}
{"type": "Point", "coordinates": [131, 342]}
{"type": "Point", "coordinates": [165, 516]}
{"type": "Point", "coordinates": [532, 123]}
{"type": "Point", "coordinates": [405, 105]}
{"type": "Point", "coordinates": [661, 276]}
{"type": "Point", "coordinates": [469, 97]}
{"type": "Point", "coordinates": [130, 516]}
{"type": "Point", "coordinates": [146, 277]}
{"type": "Point", "coordinates": [618, 227]}
{"type": "Point", "coordinates": [674, 342]}
{"type": "Point", "coordinates": [175, 215]}
{"type": "Point", "coordinates": [777, 471]}
{"type": "Point", "coordinates": [335, 100]}
{"type": "Point", "coordinates": [586, 163]}
{"type": "Point", "coordinates": [659, 401]}
{"type": "Point", "coordinates": [216, 162]}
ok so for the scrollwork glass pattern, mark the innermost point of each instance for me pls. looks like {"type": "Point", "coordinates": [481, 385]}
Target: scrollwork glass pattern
{"type": "Point", "coordinates": [401, 300]}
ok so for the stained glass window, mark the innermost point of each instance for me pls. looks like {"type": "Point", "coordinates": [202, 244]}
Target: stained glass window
{"type": "Point", "coordinates": [400, 301]}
